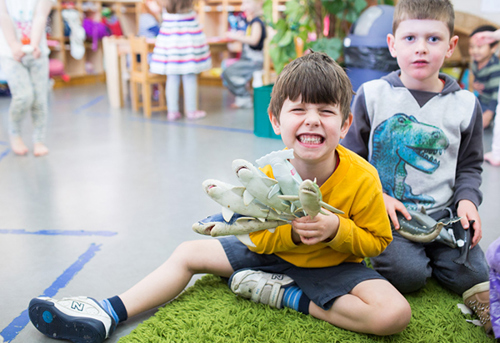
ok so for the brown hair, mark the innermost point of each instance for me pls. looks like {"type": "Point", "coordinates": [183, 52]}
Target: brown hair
{"type": "Point", "coordinates": [178, 6]}
{"type": "Point", "coordinates": [318, 79]}
{"type": "Point", "coordinates": [441, 10]}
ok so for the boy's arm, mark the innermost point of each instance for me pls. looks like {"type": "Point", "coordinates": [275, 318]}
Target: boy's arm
{"type": "Point", "coordinates": [469, 161]}
{"type": "Point", "coordinates": [253, 39]}
{"type": "Point", "coordinates": [467, 196]}
{"type": "Point", "coordinates": [9, 32]}
{"type": "Point", "coordinates": [367, 232]}
{"type": "Point", "coordinates": [359, 134]}
{"type": "Point", "coordinates": [270, 243]}
{"type": "Point", "coordinates": [42, 11]}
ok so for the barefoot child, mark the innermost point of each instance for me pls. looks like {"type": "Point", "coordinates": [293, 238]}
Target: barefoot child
{"type": "Point", "coordinates": [324, 256]}
{"type": "Point", "coordinates": [22, 23]}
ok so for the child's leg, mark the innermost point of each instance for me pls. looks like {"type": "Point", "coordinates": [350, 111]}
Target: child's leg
{"type": "Point", "coordinates": [166, 282]}
{"type": "Point", "coordinates": [172, 94]}
{"type": "Point", "coordinates": [237, 76]}
{"type": "Point", "coordinates": [190, 86]}
{"type": "Point", "coordinates": [18, 79]}
{"type": "Point", "coordinates": [404, 264]}
{"type": "Point", "coordinates": [73, 318]}
{"type": "Point", "coordinates": [39, 73]}
{"type": "Point", "coordinates": [373, 306]}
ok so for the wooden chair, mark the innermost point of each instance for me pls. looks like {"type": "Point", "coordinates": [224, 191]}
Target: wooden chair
{"type": "Point", "coordinates": [141, 78]}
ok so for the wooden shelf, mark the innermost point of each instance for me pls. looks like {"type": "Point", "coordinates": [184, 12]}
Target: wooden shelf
{"type": "Point", "coordinates": [127, 12]}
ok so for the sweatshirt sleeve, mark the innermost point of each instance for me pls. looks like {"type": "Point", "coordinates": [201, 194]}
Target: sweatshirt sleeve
{"type": "Point", "coordinates": [470, 159]}
{"type": "Point", "coordinates": [359, 133]}
{"type": "Point", "coordinates": [367, 231]}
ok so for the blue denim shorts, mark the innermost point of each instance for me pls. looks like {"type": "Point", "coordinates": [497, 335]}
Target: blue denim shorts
{"type": "Point", "coordinates": [321, 285]}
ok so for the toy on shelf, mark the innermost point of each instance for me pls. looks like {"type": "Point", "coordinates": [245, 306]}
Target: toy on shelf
{"type": "Point", "coordinates": [263, 203]}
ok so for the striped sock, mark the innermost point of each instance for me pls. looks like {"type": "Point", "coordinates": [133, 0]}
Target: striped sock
{"type": "Point", "coordinates": [295, 299]}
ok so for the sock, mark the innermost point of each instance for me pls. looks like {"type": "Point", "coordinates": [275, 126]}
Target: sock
{"type": "Point", "coordinates": [115, 308]}
{"type": "Point", "coordinates": [295, 299]}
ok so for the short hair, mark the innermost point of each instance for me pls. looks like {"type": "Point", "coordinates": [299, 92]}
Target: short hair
{"type": "Point", "coordinates": [484, 28]}
{"type": "Point", "coordinates": [318, 79]}
{"type": "Point", "coordinates": [441, 10]}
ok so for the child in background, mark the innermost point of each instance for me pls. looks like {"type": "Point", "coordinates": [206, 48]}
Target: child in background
{"type": "Point", "coordinates": [237, 75]}
{"type": "Point", "coordinates": [485, 74]}
{"type": "Point", "coordinates": [310, 109]}
{"type": "Point", "coordinates": [423, 133]}
{"type": "Point", "coordinates": [24, 60]}
{"type": "Point", "coordinates": [181, 50]}
{"type": "Point", "coordinates": [493, 157]}
{"type": "Point", "coordinates": [149, 19]}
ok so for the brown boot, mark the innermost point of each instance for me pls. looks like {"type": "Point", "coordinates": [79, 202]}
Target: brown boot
{"type": "Point", "coordinates": [477, 299]}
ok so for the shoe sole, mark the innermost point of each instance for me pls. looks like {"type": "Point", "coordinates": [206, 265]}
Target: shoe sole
{"type": "Point", "coordinates": [53, 323]}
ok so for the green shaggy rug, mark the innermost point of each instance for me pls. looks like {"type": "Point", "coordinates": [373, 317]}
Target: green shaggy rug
{"type": "Point", "coordinates": [209, 312]}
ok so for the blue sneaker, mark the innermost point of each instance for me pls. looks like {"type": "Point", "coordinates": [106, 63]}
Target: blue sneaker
{"type": "Point", "coordinates": [78, 319]}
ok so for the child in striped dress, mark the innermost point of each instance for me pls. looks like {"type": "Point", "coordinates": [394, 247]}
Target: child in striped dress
{"type": "Point", "coordinates": [181, 50]}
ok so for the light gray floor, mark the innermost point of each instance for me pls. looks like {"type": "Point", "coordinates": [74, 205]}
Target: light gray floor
{"type": "Point", "coordinates": [118, 193]}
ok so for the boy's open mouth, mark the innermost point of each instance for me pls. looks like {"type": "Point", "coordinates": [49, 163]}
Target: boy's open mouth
{"type": "Point", "coordinates": [310, 139]}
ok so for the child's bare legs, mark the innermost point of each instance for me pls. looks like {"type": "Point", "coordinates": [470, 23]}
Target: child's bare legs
{"type": "Point", "coordinates": [167, 281]}
{"type": "Point", "coordinates": [18, 146]}
{"type": "Point", "coordinates": [373, 306]}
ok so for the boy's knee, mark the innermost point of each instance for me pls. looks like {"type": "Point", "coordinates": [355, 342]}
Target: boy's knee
{"type": "Point", "coordinates": [392, 319]}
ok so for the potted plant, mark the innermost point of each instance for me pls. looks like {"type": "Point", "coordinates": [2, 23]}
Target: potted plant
{"type": "Point", "coordinates": [319, 24]}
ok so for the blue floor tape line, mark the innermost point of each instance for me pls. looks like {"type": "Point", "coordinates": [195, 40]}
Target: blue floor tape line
{"type": "Point", "coordinates": [19, 323]}
{"type": "Point", "coordinates": [58, 232]}
{"type": "Point", "coordinates": [89, 104]}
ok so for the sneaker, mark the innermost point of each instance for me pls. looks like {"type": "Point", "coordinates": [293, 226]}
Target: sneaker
{"type": "Point", "coordinates": [78, 319]}
{"type": "Point", "coordinates": [478, 300]}
{"type": "Point", "coordinates": [242, 102]}
{"type": "Point", "coordinates": [260, 287]}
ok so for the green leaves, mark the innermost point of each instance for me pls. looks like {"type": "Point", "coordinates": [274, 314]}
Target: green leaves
{"type": "Point", "coordinates": [330, 46]}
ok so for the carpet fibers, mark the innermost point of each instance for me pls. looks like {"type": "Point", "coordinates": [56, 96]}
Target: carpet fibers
{"type": "Point", "coordinates": [209, 312]}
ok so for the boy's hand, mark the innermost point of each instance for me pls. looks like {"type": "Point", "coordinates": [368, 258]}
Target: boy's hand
{"type": "Point", "coordinates": [311, 231]}
{"type": "Point", "coordinates": [392, 205]}
{"type": "Point", "coordinates": [468, 211]}
{"type": "Point", "coordinates": [478, 87]}
{"type": "Point", "coordinates": [485, 37]}
{"type": "Point", "coordinates": [234, 34]}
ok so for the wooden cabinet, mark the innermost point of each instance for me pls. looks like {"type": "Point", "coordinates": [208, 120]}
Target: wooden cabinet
{"type": "Point", "coordinates": [90, 67]}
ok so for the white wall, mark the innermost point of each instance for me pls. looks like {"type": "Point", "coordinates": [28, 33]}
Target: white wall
{"type": "Point", "coordinates": [475, 7]}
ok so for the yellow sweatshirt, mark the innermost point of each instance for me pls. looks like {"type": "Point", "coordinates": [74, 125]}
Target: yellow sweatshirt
{"type": "Point", "coordinates": [364, 229]}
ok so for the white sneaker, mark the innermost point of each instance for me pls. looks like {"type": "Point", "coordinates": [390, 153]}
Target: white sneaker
{"type": "Point", "coordinates": [78, 319]}
{"type": "Point", "coordinates": [260, 287]}
{"type": "Point", "coordinates": [243, 102]}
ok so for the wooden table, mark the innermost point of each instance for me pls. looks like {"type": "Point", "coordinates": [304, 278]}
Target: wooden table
{"type": "Point", "coordinates": [116, 50]}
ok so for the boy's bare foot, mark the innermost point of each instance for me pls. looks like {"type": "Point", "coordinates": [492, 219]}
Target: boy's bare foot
{"type": "Point", "coordinates": [39, 149]}
{"type": "Point", "coordinates": [18, 146]}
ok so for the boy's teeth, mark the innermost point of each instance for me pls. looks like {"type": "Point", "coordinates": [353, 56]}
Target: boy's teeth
{"type": "Point", "coordinates": [310, 139]}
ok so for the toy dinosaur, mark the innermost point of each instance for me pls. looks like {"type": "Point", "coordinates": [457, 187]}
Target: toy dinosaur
{"type": "Point", "coordinates": [424, 229]}
{"type": "Point", "coordinates": [311, 199]}
{"type": "Point", "coordinates": [259, 186]}
{"type": "Point", "coordinates": [231, 199]}
{"type": "Point", "coordinates": [264, 203]}
{"type": "Point", "coordinates": [216, 225]}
